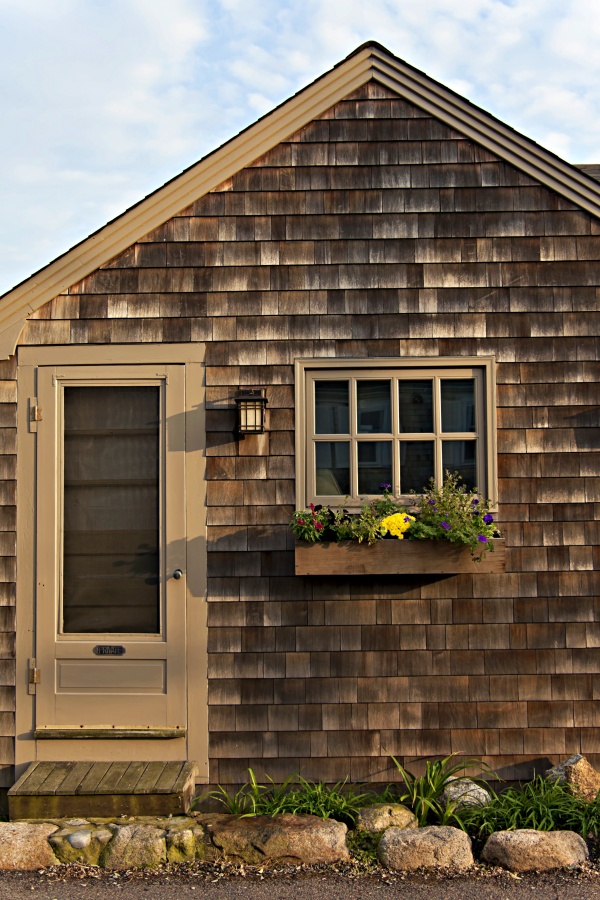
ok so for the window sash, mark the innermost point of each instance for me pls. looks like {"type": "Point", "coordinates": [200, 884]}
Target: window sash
{"type": "Point", "coordinates": [408, 370]}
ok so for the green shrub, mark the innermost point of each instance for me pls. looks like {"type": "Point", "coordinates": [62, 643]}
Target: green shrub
{"type": "Point", "coordinates": [422, 793]}
{"type": "Point", "coordinates": [539, 804]}
{"type": "Point", "coordinates": [296, 795]}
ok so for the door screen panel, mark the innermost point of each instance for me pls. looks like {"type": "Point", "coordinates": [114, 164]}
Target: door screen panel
{"type": "Point", "coordinates": [111, 484]}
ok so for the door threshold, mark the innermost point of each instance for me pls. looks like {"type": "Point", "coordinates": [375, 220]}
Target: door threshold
{"type": "Point", "coordinates": [69, 734]}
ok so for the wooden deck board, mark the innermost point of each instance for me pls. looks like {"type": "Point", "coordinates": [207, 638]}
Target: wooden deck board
{"type": "Point", "coordinates": [36, 778]}
{"type": "Point", "coordinates": [164, 784]}
{"type": "Point", "coordinates": [134, 788]}
{"type": "Point", "coordinates": [151, 775]}
{"type": "Point", "coordinates": [111, 779]}
{"type": "Point", "coordinates": [93, 778]}
{"type": "Point", "coordinates": [128, 783]}
{"type": "Point", "coordinates": [74, 778]}
{"type": "Point", "coordinates": [55, 778]}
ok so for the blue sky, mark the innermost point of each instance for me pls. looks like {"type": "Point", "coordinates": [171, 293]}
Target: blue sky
{"type": "Point", "coordinates": [104, 100]}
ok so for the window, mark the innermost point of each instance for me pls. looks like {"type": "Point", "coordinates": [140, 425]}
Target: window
{"type": "Point", "coordinates": [364, 423]}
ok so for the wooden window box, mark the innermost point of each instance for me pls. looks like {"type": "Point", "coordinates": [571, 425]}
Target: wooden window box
{"type": "Point", "coordinates": [395, 558]}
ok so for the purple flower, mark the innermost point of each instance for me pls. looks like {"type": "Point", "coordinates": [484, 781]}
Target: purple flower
{"type": "Point", "coordinates": [431, 502]}
{"type": "Point", "coordinates": [385, 487]}
{"type": "Point", "coordinates": [475, 501]}
{"type": "Point", "coordinates": [445, 526]}
{"type": "Point", "coordinates": [488, 519]}
{"type": "Point", "coordinates": [482, 539]}
{"type": "Point", "coordinates": [407, 518]}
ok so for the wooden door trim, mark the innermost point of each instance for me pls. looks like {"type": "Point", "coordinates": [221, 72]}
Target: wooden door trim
{"type": "Point", "coordinates": [196, 745]}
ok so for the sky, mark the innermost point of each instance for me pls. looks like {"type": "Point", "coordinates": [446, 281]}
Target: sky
{"type": "Point", "coordinates": [102, 101]}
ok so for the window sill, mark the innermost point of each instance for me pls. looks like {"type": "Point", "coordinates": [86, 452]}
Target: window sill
{"type": "Point", "coordinates": [395, 558]}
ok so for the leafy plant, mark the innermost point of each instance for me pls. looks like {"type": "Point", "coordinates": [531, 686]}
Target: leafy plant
{"type": "Point", "coordinates": [450, 512]}
{"type": "Point", "coordinates": [454, 513]}
{"type": "Point", "coordinates": [308, 524]}
{"type": "Point", "coordinates": [422, 793]}
{"type": "Point", "coordinates": [539, 804]}
{"type": "Point", "coordinates": [296, 795]}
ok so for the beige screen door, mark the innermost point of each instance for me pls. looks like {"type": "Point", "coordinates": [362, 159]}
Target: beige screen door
{"type": "Point", "coordinates": [110, 591]}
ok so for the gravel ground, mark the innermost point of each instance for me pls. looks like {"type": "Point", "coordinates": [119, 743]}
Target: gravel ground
{"type": "Point", "coordinates": [349, 882]}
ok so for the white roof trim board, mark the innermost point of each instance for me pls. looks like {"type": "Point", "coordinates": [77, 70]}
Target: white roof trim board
{"type": "Point", "coordinates": [371, 61]}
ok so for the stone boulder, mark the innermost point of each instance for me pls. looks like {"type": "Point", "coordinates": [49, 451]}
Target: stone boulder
{"type": "Point", "coordinates": [380, 816]}
{"type": "Point", "coordinates": [580, 777]}
{"type": "Point", "coordinates": [25, 846]}
{"type": "Point", "coordinates": [134, 847]}
{"type": "Point", "coordinates": [406, 850]}
{"type": "Point", "coordinates": [464, 792]}
{"type": "Point", "coordinates": [80, 843]}
{"type": "Point", "coordinates": [286, 838]}
{"type": "Point", "coordinates": [525, 850]}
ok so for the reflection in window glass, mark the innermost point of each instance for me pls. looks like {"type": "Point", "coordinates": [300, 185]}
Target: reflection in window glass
{"type": "Point", "coordinates": [416, 465]}
{"type": "Point", "coordinates": [459, 456]}
{"type": "Point", "coordinates": [373, 407]}
{"type": "Point", "coordinates": [331, 407]}
{"type": "Point", "coordinates": [111, 573]}
{"type": "Point", "coordinates": [374, 466]}
{"type": "Point", "coordinates": [458, 404]}
{"type": "Point", "coordinates": [416, 406]}
{"type": "Point", "coordinates": [333, 468]}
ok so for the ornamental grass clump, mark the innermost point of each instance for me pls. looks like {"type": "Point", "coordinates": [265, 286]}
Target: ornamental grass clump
{"type": "Point", "coordinates": [297, 795]}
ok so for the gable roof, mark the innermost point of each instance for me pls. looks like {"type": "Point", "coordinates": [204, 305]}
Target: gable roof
{"type": "Point", "coordinates": [370, 61]}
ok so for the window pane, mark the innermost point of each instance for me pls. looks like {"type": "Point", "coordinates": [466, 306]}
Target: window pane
{"type": "Point", "coordinates": [333, 468]}
{"type": "Point", "coordinates": [459, 456]}
{"type": "Point", "coordinates": [416, 406]}
{"type": "Point", "coordinates": [374, 409]}
{"type": "Point", "coordinates": [331, 407]}
{"type": "Point", "coordinates": [458, 404]}
{"type": "Point", "coordinates": [111, 570]}
{"type": "Point", "coordinates": [374, 466]}
{"type": "Point", "coordinates": [416, 465]}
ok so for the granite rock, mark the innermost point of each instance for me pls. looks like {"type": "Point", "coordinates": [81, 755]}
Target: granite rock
{"type": "Point", "coordinates": [380, 816]}
{"type": "Point", "coordinates": [526, 850]}
{"type": "Point", "coordinates": [580, 777]}
{"type": "Point", "coordinates": [24, 846]}
{"type": "Point", "coordinates": [433, 847]}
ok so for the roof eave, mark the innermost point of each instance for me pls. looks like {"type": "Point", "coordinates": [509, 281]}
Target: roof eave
{"type": "Point", "coordinates": [371, 61]}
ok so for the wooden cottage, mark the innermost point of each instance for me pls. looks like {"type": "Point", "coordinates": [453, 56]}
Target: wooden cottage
{"type": "Point", "coordinates": [375, 236]}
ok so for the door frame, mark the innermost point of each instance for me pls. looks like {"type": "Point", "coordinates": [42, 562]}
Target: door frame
{"type": "Point", "coordinates": [195, 745]}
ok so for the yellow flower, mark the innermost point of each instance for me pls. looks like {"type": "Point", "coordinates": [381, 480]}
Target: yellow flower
{"type": "Point", "coordinates": [396, 524]}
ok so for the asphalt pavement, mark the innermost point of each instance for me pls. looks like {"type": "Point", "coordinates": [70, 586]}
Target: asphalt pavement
{"type": "Point", "coordinates": [81, 885]}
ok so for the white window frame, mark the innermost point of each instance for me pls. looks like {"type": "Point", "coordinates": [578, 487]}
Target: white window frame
{"type": "Point", "coordinates": [307, 371]}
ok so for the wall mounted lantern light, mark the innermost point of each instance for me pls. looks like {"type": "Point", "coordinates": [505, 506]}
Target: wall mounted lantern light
{"type": "Point", "coordinates": [251, 405]}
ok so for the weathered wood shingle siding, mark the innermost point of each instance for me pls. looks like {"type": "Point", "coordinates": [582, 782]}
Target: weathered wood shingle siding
{"type": "Point", "coordinates": [378, 231]}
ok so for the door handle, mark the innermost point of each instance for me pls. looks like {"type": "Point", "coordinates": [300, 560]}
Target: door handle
{"type": "Point", "coordinates": [177, 574]}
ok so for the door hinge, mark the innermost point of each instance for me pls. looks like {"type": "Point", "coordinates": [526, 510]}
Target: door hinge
{"type": "Point", "coordinates": [35, 675]}
{"type": "Point", "coordinates": [35, 414]}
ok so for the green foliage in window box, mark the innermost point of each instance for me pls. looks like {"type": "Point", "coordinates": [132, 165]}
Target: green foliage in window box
{"type": "Point", "coordinates": [451, 512]}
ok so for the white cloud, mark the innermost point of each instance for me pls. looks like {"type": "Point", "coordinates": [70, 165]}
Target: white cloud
{"type": "Point", "coordinates": [104, 101]}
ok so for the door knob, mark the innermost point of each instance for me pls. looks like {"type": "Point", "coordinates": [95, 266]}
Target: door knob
{"type": "Point", "coordinates": [177, 574]}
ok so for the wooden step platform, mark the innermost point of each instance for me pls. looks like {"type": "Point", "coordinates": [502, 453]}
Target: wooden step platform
{"type": "Point", "coordinates": [57, 789]}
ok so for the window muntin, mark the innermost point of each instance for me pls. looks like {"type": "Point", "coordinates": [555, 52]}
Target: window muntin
{"type": "Point", "coordinates": [403, 425]}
